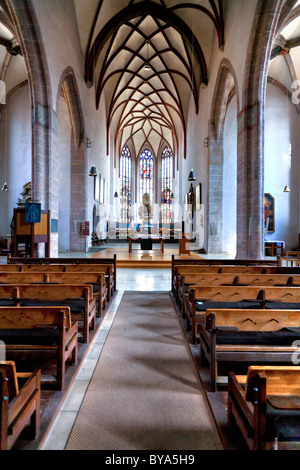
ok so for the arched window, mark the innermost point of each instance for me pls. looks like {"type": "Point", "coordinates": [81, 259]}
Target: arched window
{"type": "Point", "coordinates": [125, 185]}
{"type": "Point", "coordinates": [146, 175]}
{"type": "Point", "coordinates": [166, 184]}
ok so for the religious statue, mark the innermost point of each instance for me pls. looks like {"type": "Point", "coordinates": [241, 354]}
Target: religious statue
{"type": "Point", "coordinates": [146, 210]}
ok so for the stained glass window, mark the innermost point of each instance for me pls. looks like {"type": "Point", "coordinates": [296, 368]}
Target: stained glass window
{"type": "Point", "coordinates": [166, 184]}
{"type": "Point", "coordinates": [146, 175]}
{"type": "Point", "coordinates": [125, 185]}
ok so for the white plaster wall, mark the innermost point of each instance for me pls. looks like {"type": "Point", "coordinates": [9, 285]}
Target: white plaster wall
{"type": "Point", "coordinates": [97, 156]}
{"type": "Point", "coordinates": [238, 16]}
{"type": "Point", "coordinates": [281, 167]}
{"type": "Point", "coordinates": [229, 180]}
{"type": "Point", "coordinates": [63, 49]}
{"type": "Point", "coordinates": [18, 156]}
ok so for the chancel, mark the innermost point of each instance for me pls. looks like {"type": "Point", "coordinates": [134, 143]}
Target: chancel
{"type": "Point", "coordinates": [150, 226]}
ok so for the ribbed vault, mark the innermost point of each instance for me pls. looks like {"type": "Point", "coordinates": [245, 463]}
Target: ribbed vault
{"type": "Point", "coordinates": [148, 58]}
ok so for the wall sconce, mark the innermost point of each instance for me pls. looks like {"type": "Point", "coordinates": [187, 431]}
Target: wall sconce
{"type": "Point", "coordinates": [116, 194]}
{"type": "Point", "coordinates": [191, 175]}
{"type": "Point", "coordinates": [5, 187]}
{"type": "Point", "coordinates": [93, 171]}
{"type": "Point", "coordinates": [89, 142]}
{"type": "Point", "coordinates": [286, 189]}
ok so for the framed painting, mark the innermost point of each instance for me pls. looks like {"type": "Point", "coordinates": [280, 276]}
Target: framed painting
{"type": "Point", "coordinates": [198, 197]}
{"type": "Point", "coordinates": [97, 187]}
{"type": "Point", "coordinates": [269, 212]}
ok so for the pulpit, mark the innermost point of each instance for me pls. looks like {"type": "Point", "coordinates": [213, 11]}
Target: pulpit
{"type": "Point", "coordinates": [30, 233]}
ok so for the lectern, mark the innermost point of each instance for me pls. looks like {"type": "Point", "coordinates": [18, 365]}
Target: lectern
{"type": "Point", "coordinates": [31, 233]}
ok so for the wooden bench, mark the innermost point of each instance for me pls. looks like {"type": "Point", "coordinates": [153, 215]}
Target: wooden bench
{"type": "Point", "coordinates": [106, 269]}
{"type": "Point", "coordinates": [248, 336]}
{"type": "Point", "coordinates": [211, 279]}
{"type": "Point", "coordinates": [265, 405]}
{"type": "Point", "coordinates": [78, 297]}
{"type": "Point", "coordinates": [181, 270]}
{"type": "Point", "coordinates": [237, 297]}
{"type": "Point", "coordinates": [67, 261]}
{"type": "Point", "coordinates": [20, 403]}
{"type": "Point", "coordinates": [97, 280]}
{"type": "Point", "coordinates": [178, 270]}
{"type": "Point", "coordinates": [40, 332]}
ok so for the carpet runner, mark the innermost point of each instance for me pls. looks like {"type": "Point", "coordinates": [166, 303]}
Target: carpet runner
{"type": "Point", "coordinates": [145, 393]}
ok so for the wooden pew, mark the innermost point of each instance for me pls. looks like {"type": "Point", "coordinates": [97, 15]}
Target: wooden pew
{"type": "Point", "coordinates": [20, 403]}
{"type": "Point", "coordinates": [181, 269]}
{"type": "Point", "coordinates": [224, 262]}
{"type": "Point", "coordinates": [68, 261]}
{"type": "Point", "coordinates": [40, 331]}
{"type": "Point", "coordinates": [106, 269]}
{"type": "Point", "coordinates": [265, 405]}
{"type": "Point", "coordinates": [78, 297]}
{"type": "Point", "coordinates": [197, 279]}
{"type": "Point", "coordinates": [233, 297]}
{"type": "Point", "coordinates": [178, 271]}
{"type": "Point", "coordinates": [248, 336]}
{"type": "Point", "coordinates": [97, 280]}
{"type": "Point", "coordinates": [236, 279]}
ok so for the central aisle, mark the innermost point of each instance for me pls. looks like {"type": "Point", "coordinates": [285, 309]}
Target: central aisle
{"type": "Point", "coordinates": [145, 393]}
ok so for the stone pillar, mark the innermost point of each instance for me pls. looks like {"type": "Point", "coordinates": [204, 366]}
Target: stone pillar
{"type": "Point", "coordinates": [215, 195]}
{"type": "Point", "coordinates": [250, 184]}
{"type": "Point", "coordinates": [78, 212]}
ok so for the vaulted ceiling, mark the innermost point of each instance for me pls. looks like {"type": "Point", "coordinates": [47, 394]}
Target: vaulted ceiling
{"type": "Point", "coordinates": [12, 66]}
{"type": "Point", "coordinates": [148, 59]}
{"type": "Point", "coordinates": [284, 67]}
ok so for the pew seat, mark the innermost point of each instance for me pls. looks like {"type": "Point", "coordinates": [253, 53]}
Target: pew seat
{"type": "Point", "coordinates": [265, 406]}
{"type": "Point", "coordinates": [79, 298]}
{"type": "Point", "coordinates": [42, 332]}
{"type": "Point", "coordinates": [96, 279]}
{"type": "Point", "coordinates": [20, 404]}
{"type": "Point", "coordinates": [202, 298]}
{"type": "Point", "coordinates": [248, 336]}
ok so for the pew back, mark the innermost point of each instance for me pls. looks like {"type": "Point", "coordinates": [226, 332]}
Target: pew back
{"type": "Point", "coordinates": [32, 317]}
{"type": "Point", "coordinates": [241, 279]}
{"type": "Point", "coordinates": [252, 319]}
{"type": "Point", "coordinates": [280, 380]}
{"type": "Point", "coordinates": [46, 291]}
{"type": "Point", "coordinates": [51, 277]}
{"type": "Point", "coordinates": [240, 293]}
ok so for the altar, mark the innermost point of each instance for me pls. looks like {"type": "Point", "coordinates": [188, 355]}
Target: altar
{"type": "Point", "coordinates": [146, 242]}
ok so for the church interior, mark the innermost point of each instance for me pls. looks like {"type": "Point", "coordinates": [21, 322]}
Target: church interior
{"type": "Point", "coordinates": [149, 248]}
